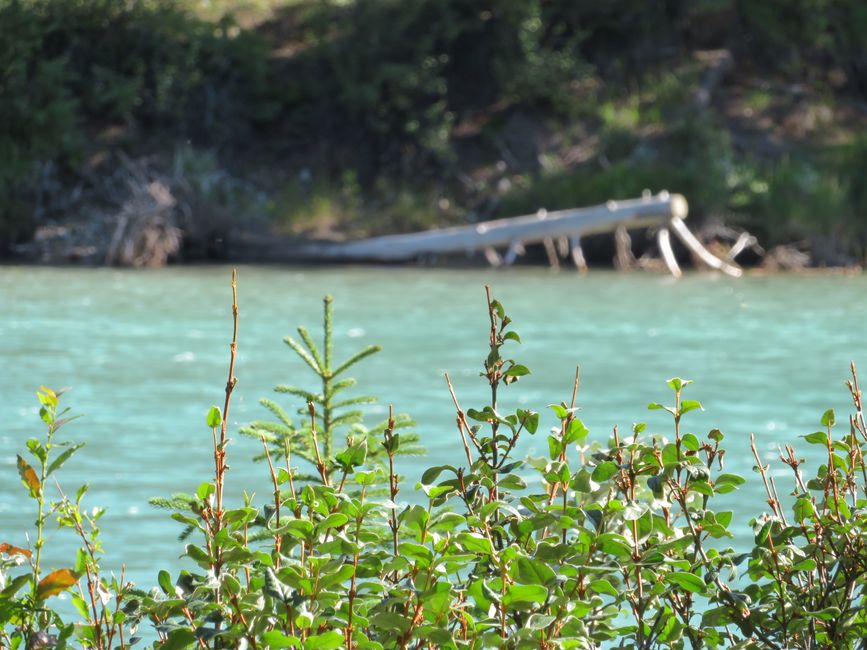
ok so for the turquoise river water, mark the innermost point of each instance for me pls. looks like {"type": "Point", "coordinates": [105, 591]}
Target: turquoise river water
{"type": "Point", "coordinates": [145, 355]}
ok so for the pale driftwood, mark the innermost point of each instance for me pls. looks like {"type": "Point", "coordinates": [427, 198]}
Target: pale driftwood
{"type": "Point", "coordinates": [634, 213]}
{"type": "Point", "coordinates": [493, 257]}
{"type": "Point", "coordinates": [745, 240]}
{"type": "Point", "coordinates": [578, 254]}
{"type": "Point", "coordinates": [516, 248]}
{"type": "Point", "coordinates": [695, 246]}
{"type": "Point", "coordinates": [663, 238]}
{"type": "Point", "coordinates": [624, 260]}
{"type": "Point", "coordinates": [551, 253]}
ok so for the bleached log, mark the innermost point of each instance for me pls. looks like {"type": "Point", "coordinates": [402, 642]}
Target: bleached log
{"type": "Point", "coordinates": [745, 240]}
{"type": "Point", "coordinates": [633, 213]}
{"type": "Point", "coordinates": [624, 260]}
{"type": "Point", "coordinates": [516, 248]}
{"type": "Point", "coordinates": [663, 238]}
{"type": "Point", "coordinates": [695, 246]}
{"type": "Point", "coordinates": [551, 252]}
{"type": "Point", "coordinates": [578, 254]}
{"type": "Point", "coordinates": [493, 257]}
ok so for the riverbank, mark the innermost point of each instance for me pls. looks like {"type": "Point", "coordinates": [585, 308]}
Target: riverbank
{"type": "Point", "coordinates": [299, 121]}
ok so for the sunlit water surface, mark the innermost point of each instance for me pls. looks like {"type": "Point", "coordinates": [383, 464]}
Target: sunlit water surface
{"type": "Point", "coordinates": [145, 355]}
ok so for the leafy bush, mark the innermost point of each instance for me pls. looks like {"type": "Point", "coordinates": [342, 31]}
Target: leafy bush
{"type": "Point", "coordinates": [392, 76]}
{"type": "Point", "coordinates": [597, 544]}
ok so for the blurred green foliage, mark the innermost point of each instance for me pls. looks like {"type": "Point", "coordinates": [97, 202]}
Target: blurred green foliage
{"type": "Point", "coordinates": [72, 68]}
{"type": "Point", "coordinates": [377, 90]}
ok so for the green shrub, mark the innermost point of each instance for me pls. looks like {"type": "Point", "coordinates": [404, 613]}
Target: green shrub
{"type": "Point", "coordinates": [797, 35]}
{"type": "Point", "coordinates": [392, 76]}
{"type": "Point", "coordinates": [600, 543]}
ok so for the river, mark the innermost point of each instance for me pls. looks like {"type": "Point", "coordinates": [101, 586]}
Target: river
{"type": "Point", "coordinates": [145, 355]}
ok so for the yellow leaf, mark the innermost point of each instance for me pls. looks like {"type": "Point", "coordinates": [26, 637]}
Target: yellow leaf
{"type": "Point", "coordinates": [14, 550]}
{"type": "Point", "coordinates": [28, 476]}
{"type": "Point", "coordinates": [55, 583]}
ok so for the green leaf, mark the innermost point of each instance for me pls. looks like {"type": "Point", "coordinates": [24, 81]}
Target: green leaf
{"type": "Point", "coordinates": [729, 479]}
{"type": "Point", "coordinates": [205, 490]}
{"type": "Point", "coordinates": [81, 606]}
{"type": "Point", "coordinates": [517, 371]}
{"type": "Point", "coordinates": [525, 595]}
{"type": "Point", "coordinates": [300, 528]}
{"type": "Point", "coordinates": [539, 621]}
{"type": "Point", "coordinates": [702, 487]}
{"type": "Point", "coordinates": [688, 405]}
{"type": "Point", "coordinates": [576, 432]}
{"type": "Point", "coordinates": [80, 561]}
{"type": "Point", "coordinates": [634, 510]}
{"type": "Point", "coordinates": [512, 482]}
{"type": "Point", "coordinates": [366, 478]}
{"type": "Point", "coordinates": [327, 641]}
{"type": "Point", "coordinates": [803, 508]}
{"type": "Point", "coordinates": [179, 638]}
{"type": "Point", "coordinates": [827, 614]}
{"type": "Point", "coordinates": [669, 454]}
{"type": "Point", "coordinates": [602, 586]}
{"type": "Point", "coordinates": [561, 411]}
{"type": "Point", "coordinates": [334, 520]}
{"type": "Point", "coordinates": [604, 471]}
{"type": "Point", "coordinates": [555, 447]}
{"type": "Point", "coordinates": [276, 639]}
{"type": "Point", "coordinates": [583, 482]}
{"type": "Point", "coordinates": [432, 473]}
{"type": "Point", "coordinates": [165, 582]}
{"type": "Point", "coordinates": [511, 336]}
{"type": "Point", "coordinates": [529, 419]}
{"type": "Point", "coordinates": [199, 556]}
{"type": "Point", "coordinates": [274, 588]}
{"type": "Point", "coordinates": [690, 442]}
{"type": "Point", "coordinates": [807, 564]}
{"type": "Point", "coordinates": [353, 456]}
{"type": "Point", "coordinates": [829, 418]}
{"type": "Point", "coordinates": [63, 457]}
{"type": "Point", "coordinates": [817, 438]}
{"type": "Point", "coordinates": [614, 544]}
{"type": "Point", "coordinates": [684, 580]}
{"type": "Point", "coordinates": [676, 383]}
{"type": "Point", "coordinates": [529, 571]}
{"type": "Point", "coordinates": [475, 543]}
{"type": "Point", "coordinates": [214, 417]}
{"type": "Point", "coordinates": [15, 585]}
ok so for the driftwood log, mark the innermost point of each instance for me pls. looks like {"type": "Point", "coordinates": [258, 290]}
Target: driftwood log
{"type": "Point", "coordinates": [531, 229]}
{"type": "Point", "coordinates": [662, 211]}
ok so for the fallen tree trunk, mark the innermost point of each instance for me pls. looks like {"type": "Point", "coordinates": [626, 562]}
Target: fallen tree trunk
{"type": "Point", "coordinates": [656, 210]}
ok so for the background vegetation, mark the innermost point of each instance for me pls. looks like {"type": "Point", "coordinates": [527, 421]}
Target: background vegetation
{"type": "Point", "coordinates": [379, 115]}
